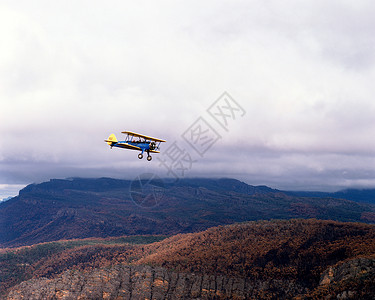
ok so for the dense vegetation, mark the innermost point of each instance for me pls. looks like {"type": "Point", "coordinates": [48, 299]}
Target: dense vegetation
{"type": "Point", "coordinates": [296, 251]}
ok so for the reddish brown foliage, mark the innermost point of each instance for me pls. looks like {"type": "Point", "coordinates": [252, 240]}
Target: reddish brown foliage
{"type": "Point", "coordinates": [267, 249]}
{"type": "Point", "coordinates": [297, 250]}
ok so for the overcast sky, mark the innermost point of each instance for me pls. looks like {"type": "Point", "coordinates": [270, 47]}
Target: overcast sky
{"type": "Point", "coordinates": [299, 77]}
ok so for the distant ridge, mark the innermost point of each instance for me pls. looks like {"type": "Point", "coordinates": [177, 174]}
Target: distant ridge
{"type": "Point", "coordinates": [357, 195]}
{"type": "Point", "coordinates": [6, 199]}
{"type": "Point", "coordinates": [103, 207]}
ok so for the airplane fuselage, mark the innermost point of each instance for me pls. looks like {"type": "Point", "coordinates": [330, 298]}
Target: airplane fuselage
{"type": "Point", "coordinates": [143, 145]}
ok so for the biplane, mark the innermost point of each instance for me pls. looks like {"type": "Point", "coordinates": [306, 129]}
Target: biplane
{"type": "Point", "coordinates": [135, 141]}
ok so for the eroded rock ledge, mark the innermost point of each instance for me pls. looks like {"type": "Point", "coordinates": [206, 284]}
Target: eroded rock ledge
{"type": "Point", "coordinates": [145, 282]}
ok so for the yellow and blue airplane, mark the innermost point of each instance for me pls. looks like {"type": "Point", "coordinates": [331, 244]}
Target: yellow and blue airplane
{"type": "Point", "coordinates": [135, 141]}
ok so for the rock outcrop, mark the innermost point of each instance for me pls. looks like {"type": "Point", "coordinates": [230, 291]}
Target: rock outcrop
{"type": "Point", "coordinates": [348, 270]}
{"type": "Point", "coordinates": [353, 279]}
{"type": "Point", "coordinates": [145, 282]}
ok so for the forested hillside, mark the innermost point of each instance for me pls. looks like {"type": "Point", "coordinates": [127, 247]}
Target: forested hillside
{"type": "Point", "coordinates": [263, 260]}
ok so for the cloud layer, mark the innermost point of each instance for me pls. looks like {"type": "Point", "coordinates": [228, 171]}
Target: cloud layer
{"type": "Point", "coordinates": [72, 73]}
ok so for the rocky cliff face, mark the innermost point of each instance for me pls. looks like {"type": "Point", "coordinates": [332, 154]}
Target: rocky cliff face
{"type": "Point", "coordinates": [349, 270]}
{"type": "Point", "coordinates": [145, 282]}
{"type": "Point", "coordinates": [353, 279]}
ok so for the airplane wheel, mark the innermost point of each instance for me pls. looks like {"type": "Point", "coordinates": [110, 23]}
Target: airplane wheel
{"type": "Point", "coordinates": [140, 155]}
{"type": "Point", "coordinates": [149, 157]}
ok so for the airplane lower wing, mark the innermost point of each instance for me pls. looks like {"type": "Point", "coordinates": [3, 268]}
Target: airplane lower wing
{"type": "Point", "coordinates": [154, 151]}
{"type": "Point", "coordinates": [128, 146]}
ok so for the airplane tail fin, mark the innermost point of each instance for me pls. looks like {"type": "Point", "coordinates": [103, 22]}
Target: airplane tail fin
{"type": "Point", "coordinates": [111, 139]}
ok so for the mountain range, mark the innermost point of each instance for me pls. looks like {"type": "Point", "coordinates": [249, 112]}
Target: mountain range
{"type": "Point", "coordinates": [105, 207]}
{"type": "Point", "coordinates": [193, 238]}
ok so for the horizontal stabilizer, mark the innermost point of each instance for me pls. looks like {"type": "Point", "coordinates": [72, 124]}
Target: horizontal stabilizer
{"type": "Point", "coordinates": [111, 139]}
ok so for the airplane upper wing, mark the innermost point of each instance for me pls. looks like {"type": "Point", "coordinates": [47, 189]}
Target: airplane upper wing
{"type": "Point", "coordinates": [128, 146]}
{"type": "Point", "coordinates": [143, 136]}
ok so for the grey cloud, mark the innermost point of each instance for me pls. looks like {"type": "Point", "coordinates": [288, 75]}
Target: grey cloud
{"type": "Point", "coordinates": [302, 71]}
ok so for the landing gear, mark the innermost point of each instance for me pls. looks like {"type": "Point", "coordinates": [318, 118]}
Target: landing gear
{"type": "Point", "coordinates": [140, 156]}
